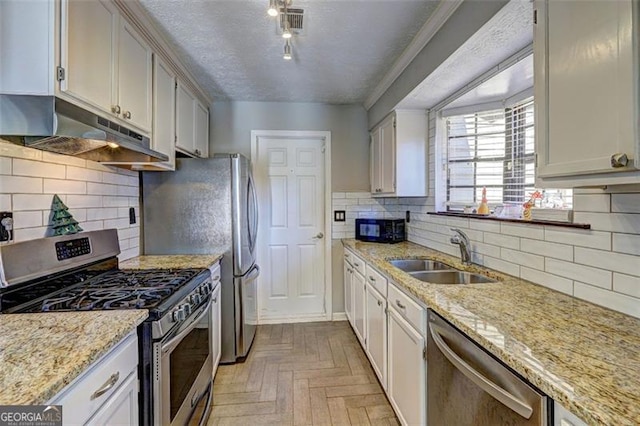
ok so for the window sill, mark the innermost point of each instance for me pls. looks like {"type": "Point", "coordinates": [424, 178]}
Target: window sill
{"type": "Point", "coordinates": [521, 221]}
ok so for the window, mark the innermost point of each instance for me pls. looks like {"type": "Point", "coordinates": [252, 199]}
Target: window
{"type": "Point", "coordinates": [494, 150]}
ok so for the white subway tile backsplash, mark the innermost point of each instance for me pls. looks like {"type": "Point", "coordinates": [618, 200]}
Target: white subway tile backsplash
{"type": "Point", "coordinates": [592, 203]}
{"type": "Point", "coordinates": [82, 173]}
{"type": "Point", "coordinates": [616, 262]}
{"type": "Point", "coordinates": [55, 186]}
{"type": "Point", "coordinates": [337, 195]}
{"type": "Point", "coordinates": [625, 203]}
{"type": "Point", "coordinates": [579, 237]}
{"type": "Point", "coordinates": [526, 231]}
{"type": "Point", "coordinates": [24, 185]}
{"type": "Point", "coordinates": [609, 299]}
{"type": "Point", "coordinates": [502, 266]}
{"type": "Point", "coordinates": [38, 169]}
{"type": "Point", "coordinates": [502, 240]}
{"type": "Point", "coordinates": [485, 226]}
{"type": "Point", "coordinates": [545, 248]}
{"type": "Point", "coordinates": [612, 222]}
{"type": "Point", "coordinates": [27, 219]}
{"type": "Point", "coordinates": [594, 276]}
{"type": "Point", "coordinates": [359, 195]}
{"type": "Point", "coordinates": [626, 284]}
{"type": "Point", "coordinates": [627, 243]}
{"type": "Point", "coordinates": [488, 249]}
{"type": "Point", "coordinates": [5, 166]}
{"type": "Point", "coordinates": [31, 177]}
{"type": "Point", "coordinates": [525, 259]}
{"type": "Point", "coordinates": [551, 281]}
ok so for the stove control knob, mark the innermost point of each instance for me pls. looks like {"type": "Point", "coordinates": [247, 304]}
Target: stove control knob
{"type": "Point", "coordinates": [195, 299]}
{"type": "Point", "coordinates": [187, 308]}
{"type": "Point", "coordinates": [178, 314]}
{"type": "Point", "coordinates": [202, 290]}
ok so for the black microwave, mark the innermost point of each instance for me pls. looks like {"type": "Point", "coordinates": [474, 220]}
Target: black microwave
{"type": "Point", "coordinates": [380, 230]}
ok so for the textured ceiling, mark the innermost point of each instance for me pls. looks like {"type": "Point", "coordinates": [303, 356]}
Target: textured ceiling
{"type": "Point", "coordinates": [509, 31]}
{"type": "Point", "coordinates": [233, 50]}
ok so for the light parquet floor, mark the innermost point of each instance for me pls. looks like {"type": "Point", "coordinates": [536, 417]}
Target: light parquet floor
{"type": "Point", "coordinates": [301, 374]}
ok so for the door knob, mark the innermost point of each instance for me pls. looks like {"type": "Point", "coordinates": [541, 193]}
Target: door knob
{"type": "Point", "coordinates": [127, 114]}
{"type": "Point", "coordinates": [319, 235]}
{"type": "Point", "coordinates": [619, 160]}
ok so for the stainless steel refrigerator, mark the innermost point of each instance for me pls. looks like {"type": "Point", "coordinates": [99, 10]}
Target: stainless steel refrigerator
{"type": "Point", "coordinates": [209, 206]}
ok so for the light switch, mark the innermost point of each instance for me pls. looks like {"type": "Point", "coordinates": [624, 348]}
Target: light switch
{"type": "Point", "coordinates": [339, 215]}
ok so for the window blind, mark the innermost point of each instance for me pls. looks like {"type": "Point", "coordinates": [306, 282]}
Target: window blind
{"type": "Point", "coordinates": [494, 150]}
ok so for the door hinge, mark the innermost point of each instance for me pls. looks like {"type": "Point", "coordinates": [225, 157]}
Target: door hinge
{"type": "Point", "coordinates": [535, 161]}
{"type": "Point", "coordinates": [60, 74]}
{"type": "Point", "coordinates": [175, 139]}
{"type": "Point", "coordinates": [424, 353]}
{"type": "Point", "coordinates": [176, 85]}
{"type": "Point", "coordinates": [394, 123]}
{"type": "Point", "coordinates": [535, 16]}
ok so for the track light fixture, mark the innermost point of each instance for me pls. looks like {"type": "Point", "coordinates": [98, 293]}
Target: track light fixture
{"type": "Point", "coordinates": [289, 22]}
{"type": "Point", "coordinates": [273, 8]}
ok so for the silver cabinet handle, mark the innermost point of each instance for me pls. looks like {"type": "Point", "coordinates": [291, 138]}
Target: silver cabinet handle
{"type": "Point", "coordinates": [357, 264]}
{"type": "Point", "coordinates": [509, 400]}
{"type": "Point", "coordinates": [127, 114]}
{"type": "Point", "coordinates": [379, 303]}
{"type": "Point", "coordinates": [373, 280]}
{"type": "Point", "coordinates": [619, 160]}
{"type": "Point", "coordinates": [111, 382]}
{"type": "Point", "coordinates": [115, 109]}
{"type": "Point", "coordinates": [400, 305]}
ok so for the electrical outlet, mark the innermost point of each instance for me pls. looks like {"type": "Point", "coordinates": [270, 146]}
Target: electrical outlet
{"type": "Point", "coordinates": [132, 215]}
{"type": "Point", "coordinates": [6, 226]}
{"type": "Point", "coordinates": [339, 216]}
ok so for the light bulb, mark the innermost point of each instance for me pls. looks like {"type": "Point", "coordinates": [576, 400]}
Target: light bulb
{"type": "Point", "coordinates": [287, 51]}
{"type": "Point", "coordinates": [113, 145]}
{"type": "Point", "coordinates": [273, 8]}
{"type": "Point", "coordinates": [286, 34]}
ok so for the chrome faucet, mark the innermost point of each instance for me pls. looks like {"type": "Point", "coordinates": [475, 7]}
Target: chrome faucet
{"type": "Point", "coordinates": [461, 239]}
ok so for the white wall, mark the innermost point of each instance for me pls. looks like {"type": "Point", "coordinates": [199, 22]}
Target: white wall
{"type": "Point", "coordinates": [600, 265]}
{"type": "Point", "coordinates": [98, 197]}
{"type": "Point", "coordinates": [232, 123]}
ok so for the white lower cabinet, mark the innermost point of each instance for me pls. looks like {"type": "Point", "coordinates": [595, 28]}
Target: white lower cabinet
{"type": "Point", "coordinates": [563, 417]}
{"type": "Point", "coordinates": [376, 332]}
{"type": "Point", "coordinates": [391, 327]}
{"type": "Point", "coordinates": [216, 318]}
{"type": "Point", "coordinates": [406, 382]}
{"type": "Point", "coordinates": [107, 392]}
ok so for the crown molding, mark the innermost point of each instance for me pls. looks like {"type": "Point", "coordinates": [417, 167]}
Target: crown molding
{"type": "Point", "coordinates": [443, 11]}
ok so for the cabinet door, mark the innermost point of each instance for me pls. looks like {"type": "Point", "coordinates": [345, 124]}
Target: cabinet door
{"type": "Point", "coordinates": [358, 305]}
{"type": "Point", "coordinates": [563, 417]}
{"type": "Point", "coordinates": [375, 166]}
{"type": "Point", "coordinates": [164, 111]}
{"type": "Point", "coordinates": [376, 332]}
{"type": "Point", "coordinates": [348, 292]}
{"type": "Point", "coordinates": [122, 407]}
{"type": "Point", "coordinates": [388, 156]}
{"type": "Point", "coordinates": [185, 118]}
{"type": "Point", "coordinates": [134, 78]}
{"type": "Point", "coordinates": [216, 328]}
{"type": "Point", "coordinates": [584, 86]}
{"type": "Point", "coordinates": [201, 130]}
{"type": "Point", "coordinates": [88, 37]}
{"type": "Point", "coordinates": [406, 380]}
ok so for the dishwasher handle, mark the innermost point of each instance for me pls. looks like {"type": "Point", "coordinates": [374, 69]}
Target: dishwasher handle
{"type": "Point", "coordinates": [485, 384]}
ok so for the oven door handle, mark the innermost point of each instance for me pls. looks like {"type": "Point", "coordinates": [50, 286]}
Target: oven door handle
{"type": "Point", "coordinates": [168, 346]}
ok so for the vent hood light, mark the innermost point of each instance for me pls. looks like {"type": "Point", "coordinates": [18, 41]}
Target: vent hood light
{"type": "Point", "coordinates": [113, 145]}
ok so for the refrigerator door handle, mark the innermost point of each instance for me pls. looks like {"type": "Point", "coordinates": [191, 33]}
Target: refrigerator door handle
{"type": "Point", "coordinates": [253, 227]}
{"type": "Point", "coordinates": [253, 273]}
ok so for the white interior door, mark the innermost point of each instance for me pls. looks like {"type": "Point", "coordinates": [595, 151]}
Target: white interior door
{"type": "Point", "coordinates": [290, 181]}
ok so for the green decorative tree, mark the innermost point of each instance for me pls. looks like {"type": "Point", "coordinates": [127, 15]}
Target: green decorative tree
{"type": "Point", "coordinates": [62, 221]}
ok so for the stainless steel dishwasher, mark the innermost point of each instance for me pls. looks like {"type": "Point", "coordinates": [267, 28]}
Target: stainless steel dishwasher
{"type": "Point", "coordinates": [467, 386]}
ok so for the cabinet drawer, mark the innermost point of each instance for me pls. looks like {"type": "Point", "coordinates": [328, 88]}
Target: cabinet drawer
{"type": "Point", "coordinates": [376, 280]}
{"type": "Point", "coordinates": [415, 314]}
{"type": "Point", "coordinates": [80, 399]}
{"type": "Point", "coordinates": [358, 264]}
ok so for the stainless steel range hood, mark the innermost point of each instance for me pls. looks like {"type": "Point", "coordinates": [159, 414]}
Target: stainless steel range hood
{"type": "Point", "coordinates": [52, 124]}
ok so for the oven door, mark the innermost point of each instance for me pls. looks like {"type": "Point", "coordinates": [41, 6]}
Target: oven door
{"type": "Point", "coordinates": [183, 366]}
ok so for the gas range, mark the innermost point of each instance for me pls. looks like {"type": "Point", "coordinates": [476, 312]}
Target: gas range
{"type": "Point", "coordinates": [80, 273]}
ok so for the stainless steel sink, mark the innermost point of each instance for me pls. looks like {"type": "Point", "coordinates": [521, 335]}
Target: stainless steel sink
{"type": "Point", "coordinates": [416, 265]}
{"type": "Point", "coordinates": [451, 277]}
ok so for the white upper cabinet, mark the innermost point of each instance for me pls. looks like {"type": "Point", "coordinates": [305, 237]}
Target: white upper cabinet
{"type": "Point", "coordinates": [399, 155]}
{"type": "Point", "coordinates": [134, 77]}
{"type": "Point", "coordinates": [164, 112]}
{"type": "Point", "coordinates": [106, 64]}
{"type": "Point", "coordinates": [88, 48]}
{"type": "Point", "coordinates": [192, 123]}
{"type": "Point", "coordinates": [586, 93]}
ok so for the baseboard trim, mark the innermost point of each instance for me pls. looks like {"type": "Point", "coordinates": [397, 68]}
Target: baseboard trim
{"type": "Point", "coordinates": [293, 319]}
{"type": "Point", "coordinates": [339, 316]}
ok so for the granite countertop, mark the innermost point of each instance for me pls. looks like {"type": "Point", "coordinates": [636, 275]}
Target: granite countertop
{"type": "Point", "coordinates": [583, 356]}
{"type": "Point", "coordinates": [42, 353]}
{"type": "Point", "coordinates": [171, 261]}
